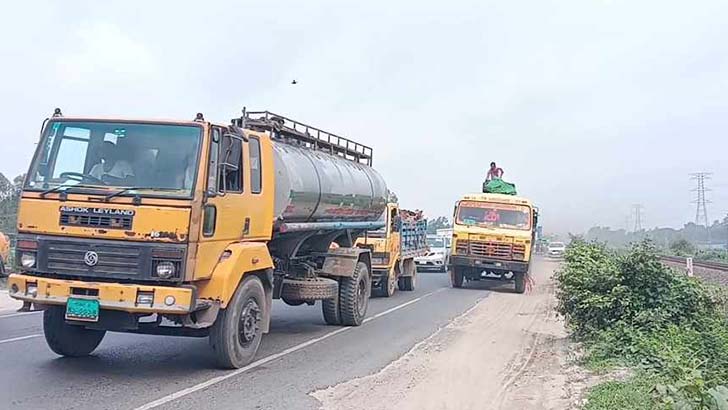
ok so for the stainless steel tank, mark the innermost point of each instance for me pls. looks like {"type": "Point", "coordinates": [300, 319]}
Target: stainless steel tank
{"type": "Point", "coordinates": [314, 186]}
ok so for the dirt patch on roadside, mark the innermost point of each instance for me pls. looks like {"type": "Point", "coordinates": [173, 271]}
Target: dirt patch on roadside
{"type": "Point", "coordinates": [509, 351]}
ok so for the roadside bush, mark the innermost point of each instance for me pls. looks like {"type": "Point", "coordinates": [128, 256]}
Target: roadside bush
{"type": "Point", "coordinates": [630, 308]}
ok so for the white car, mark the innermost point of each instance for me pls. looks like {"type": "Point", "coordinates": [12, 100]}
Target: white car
{"type": "Point", "coordinates": [437, 255]}
{"type": "Point", "coordinates": [556, 250]}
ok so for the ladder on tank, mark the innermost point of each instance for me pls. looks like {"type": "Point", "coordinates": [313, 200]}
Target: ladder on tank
{"type": "Point", "coordinates": [300, 134]}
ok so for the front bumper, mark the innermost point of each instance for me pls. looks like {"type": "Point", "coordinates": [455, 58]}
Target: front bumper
{"type": "Point", "coordinates": [111, 296]}
{"type": "Point", "coordinates": [488, 264]}
{"type": "Point", "coordinates": [430, 263]}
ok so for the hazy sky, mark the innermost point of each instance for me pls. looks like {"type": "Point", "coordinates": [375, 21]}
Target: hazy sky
{"type": "Point", "coordinates": [589, 106]}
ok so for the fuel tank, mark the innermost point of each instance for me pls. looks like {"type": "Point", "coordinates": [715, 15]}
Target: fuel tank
{"type": "Point", "coordinates": [315, 186]}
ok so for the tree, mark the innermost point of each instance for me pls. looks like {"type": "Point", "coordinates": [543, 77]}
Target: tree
{"type": "Point", "coordinates": [441, 222]}
{"type": "Point", "coordinates": [9, 196]}
{"type": "Point", "coordinates": [682, 247]}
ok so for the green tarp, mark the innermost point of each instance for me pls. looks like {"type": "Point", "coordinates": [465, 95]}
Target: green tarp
{"type": "Point", "coordinates": [499, 186]}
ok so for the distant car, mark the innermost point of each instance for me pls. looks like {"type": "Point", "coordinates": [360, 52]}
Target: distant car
{"type": "Point", "coordinates": [556, 250]}
{"type": "Point", "coordinates": [437, 254]}
{"type": "Point", "coordinates": [4, 253]}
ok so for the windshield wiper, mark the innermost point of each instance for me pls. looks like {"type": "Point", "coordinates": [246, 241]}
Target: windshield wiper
{"type": "Point", "coordinates": [137, 198]}
{"type": "Point", "coordinates": [67, 186]}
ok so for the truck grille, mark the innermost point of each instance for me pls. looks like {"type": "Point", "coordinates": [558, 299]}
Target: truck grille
{"type": "Point", "coordinates": [491, 249]}
{"type": "Point", "coordinates": [96, 221]}
{"type": "Point", "coordinates": [112, 260]}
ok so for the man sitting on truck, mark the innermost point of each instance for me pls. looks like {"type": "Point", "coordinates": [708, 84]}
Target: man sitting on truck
{"type": "Point", "coordinates": [494, 172]}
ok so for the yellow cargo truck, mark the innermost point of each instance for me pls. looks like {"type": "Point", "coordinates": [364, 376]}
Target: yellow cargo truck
{"type": "Point", "coordinates": [4, 253]}
{"type": "Point", "coordinates": [493, 237]}
{"type": "Point", "coordinates": [394, 249]}
{"type": "Point", "coordinates": [192, 228]}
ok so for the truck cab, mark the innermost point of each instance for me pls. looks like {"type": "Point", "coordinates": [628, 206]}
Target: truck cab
{"type": "Point", "coordinates": [394, 248]}
{"type": "Point", "coordinates": [493, 236]}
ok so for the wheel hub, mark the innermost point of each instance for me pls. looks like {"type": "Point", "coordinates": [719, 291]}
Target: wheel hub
{"type": "Point", "coordinates": [249, 322]}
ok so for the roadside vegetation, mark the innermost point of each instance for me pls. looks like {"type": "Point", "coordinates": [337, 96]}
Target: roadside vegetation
{"type": "Point", "coordinates": [683, 247]}
{"type": "Point", "coordinates": [631, 311]}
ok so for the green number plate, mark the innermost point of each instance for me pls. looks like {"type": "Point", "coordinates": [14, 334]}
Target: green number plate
{"type": "Point", "coordinates": [82, 309]}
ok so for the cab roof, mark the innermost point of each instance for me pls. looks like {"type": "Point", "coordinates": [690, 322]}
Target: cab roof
{"type": "Point", "coordinates": [131, 120]}
{"type": "Point", "coordinates": [500, 198]}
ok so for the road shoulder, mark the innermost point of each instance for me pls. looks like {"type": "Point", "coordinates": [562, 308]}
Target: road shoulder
{"type": "Point", "coordinates": [508, 351]}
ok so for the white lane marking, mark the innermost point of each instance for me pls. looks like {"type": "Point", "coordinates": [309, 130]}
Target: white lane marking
{"type": "Point", "coordinates": [19, 314]}
{"type": "Point", "coordinates": [17, 339]}
{"type": "Point", "coordinates": [267, 359]}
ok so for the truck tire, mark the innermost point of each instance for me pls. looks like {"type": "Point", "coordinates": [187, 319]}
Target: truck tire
{"type": "Point", "coordinates": [456, 277]}
{"type": "Point", "coordinates": [354, 296]}
{"type": "Point", "coordinates": [520, 279]}
{"type": "Point", "coordinates": [237, 332]}
{"type": "Point", "coordinates": [309, 289]}
{"type": "Point", "coordinates": [68, 340]}
{"type": "Point", "coordinates": [407, 283]}
{"type": "Point", "coordinates": [330, 309]}
{"type": "Point", "coordinates": [388, 285]}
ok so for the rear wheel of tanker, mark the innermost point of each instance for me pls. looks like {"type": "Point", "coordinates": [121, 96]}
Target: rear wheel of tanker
{"type": "Point", "coordinates": [354, 295]}
{"type": "Point", "coordinates": [68, 340]}
{"type": "Point", "coordinates": [456, 277]}
{"type": "Point", "coordinates": [330, 309]}
{"type": "Point", "coordinates": [520, 279]}
{"type": "Point", "coordinates": [237, 332]}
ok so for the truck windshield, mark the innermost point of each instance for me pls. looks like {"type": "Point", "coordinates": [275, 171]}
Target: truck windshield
{"type": "Point", "coordinates": [494, 215]}
{"type": "Point", "coordinates": [155, 159]}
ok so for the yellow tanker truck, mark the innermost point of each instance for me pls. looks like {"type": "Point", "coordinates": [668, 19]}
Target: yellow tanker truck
{"type": "Point", "coordinates": [493, 237]}
{"type": "Point", "coordinates": [192, 228]}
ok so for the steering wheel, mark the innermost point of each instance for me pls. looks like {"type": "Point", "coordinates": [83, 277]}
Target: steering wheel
{"type": "Point", "coordinates": [77, 176]}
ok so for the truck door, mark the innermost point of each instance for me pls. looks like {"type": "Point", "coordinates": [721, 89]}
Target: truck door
{"type": "Point", "coordinates": [234, 187]}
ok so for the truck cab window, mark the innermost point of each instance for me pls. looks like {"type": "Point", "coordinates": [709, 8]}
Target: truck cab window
{"type": "Point", "coordinates": [256, 182]}
{"type": "Point", "coordinates": [214, 164]}
{"type": "Point", "coordinates": [231, 161]}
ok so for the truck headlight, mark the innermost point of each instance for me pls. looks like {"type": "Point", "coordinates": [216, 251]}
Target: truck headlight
{"type": "Point", "coordinates": [166, 270]}
{"type": "Point", "coordinates": [27, 260]}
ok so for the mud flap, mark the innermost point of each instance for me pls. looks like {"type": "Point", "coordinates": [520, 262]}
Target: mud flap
{"type": "Point", "coordinates": [342, 261]}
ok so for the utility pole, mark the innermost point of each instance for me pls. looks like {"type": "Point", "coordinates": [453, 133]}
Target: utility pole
{"type": "Point", "coordinates": [638, 213]}
{"type": "Point", "coordinates": [701, 211]}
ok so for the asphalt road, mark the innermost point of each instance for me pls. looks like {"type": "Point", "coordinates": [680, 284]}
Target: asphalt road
{"type": "Point", "coordinates": [300, 355]}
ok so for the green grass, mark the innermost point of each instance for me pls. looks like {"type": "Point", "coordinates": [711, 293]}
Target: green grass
{"type": "Point", "coordinates": [632, 394]}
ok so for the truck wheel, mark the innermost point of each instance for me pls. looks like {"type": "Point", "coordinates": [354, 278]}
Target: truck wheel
{"type": "Point", "coordinates": [388, 285]}
{"type": "Point", "coordinates": [520, 279]}
{"type": "Point", "coordinates": [354, 296]}
{"type": "Point", "coordinates": [68, 340]}
{"type": "Point", "coordinates": [330, 309]}
{"type": "Point", "coordinates": [408, 283]}
{"type": "Point", "coordinates": [236, 334]}
{"type": "Point", "coordinates": [456, 277]}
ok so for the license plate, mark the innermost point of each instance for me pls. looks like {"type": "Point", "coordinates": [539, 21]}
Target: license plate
{"type": "Point", "coordinates": [86, 310]}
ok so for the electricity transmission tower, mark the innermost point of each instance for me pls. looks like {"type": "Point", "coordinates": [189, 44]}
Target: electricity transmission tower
{"type": "Point", "coordinates": [638, 213]}
{"type": "Point", "coordinates": [701, 211]}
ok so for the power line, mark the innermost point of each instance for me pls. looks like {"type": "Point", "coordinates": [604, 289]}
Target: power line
{"type": "Point", "coordinates": [701, 210]}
